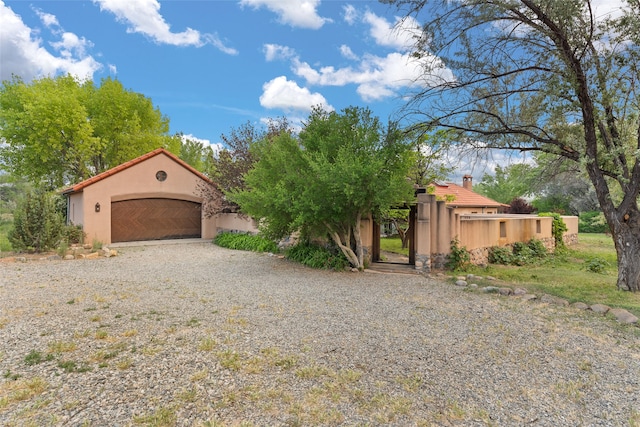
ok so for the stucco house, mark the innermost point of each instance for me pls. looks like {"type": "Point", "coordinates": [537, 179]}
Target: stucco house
{"type": "Point", "coordinates": [152, 197]}
{"type": "Point", "coordinates": [465, 200]}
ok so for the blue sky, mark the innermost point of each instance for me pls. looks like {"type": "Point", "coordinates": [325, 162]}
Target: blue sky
{"type": "Point", "coordinates": [210, 65]}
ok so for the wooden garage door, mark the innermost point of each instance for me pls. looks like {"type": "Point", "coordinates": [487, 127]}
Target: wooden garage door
{"type": "Point", "coordinates": [154, 219]}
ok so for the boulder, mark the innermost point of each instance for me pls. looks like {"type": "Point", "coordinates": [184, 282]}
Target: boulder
{"type": "Point", "coordinates": [623, 316]}
{"type": "Point", "coordinates": [580, 305]}
{"type": "Point", "coordinates": [600, 308]}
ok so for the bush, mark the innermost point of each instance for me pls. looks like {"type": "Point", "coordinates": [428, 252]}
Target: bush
{"type": "Point", "coordinates": [245, 242]}
{"type": "Point", "coordinates": [500, 255]}
{"type": "Point", "coordinates": [73, 234]}
{"type": "Point", "coordinates": [592, 222]}
{"type": "Point", "coordinates": [596, 265]}
{"type": "Point", "coordinates": [37, 226]}
{"type": "Point", "coordinates": [458, 257]}
{"type": "Point", "coordinates": [316, 256]}
{"type": "Point", "coordinates": [538, 248]}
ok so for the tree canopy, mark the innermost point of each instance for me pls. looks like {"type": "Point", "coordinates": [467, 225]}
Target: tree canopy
{"type": "Point", "coordinates": [341, 168]}
{"type": "Point", "coordinates": [541, 75]}
{"type": "Point", "coordinates": [62, 130]}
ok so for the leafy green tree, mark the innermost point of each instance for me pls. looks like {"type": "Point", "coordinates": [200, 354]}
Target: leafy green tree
{"type": "Point", "coordinates": [37, 225]}
{"type": "Point", "coordinates": [194, 153]}
{"type": "Point", "coordinates": [341, 168]}
{"type": "Point", "coordinates": [541, 75]}
{"type": "Point", "coordinates": [507, 183]}
{"type": "Point", "coordinates": [61, 130]}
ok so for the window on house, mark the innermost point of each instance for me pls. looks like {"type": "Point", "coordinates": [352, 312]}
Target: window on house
{"type": "Point", "coordinates": [503, 229]}
{"type": "Point", "coordinates": [538, 226]}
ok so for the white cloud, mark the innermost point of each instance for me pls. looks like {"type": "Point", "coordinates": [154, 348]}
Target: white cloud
{"type": "Point", "coordinates": [287, 95]}
{"type": "Point", "coordinates": [273, 52]}
{"type": "Point", "coordinates": [346, 52]}
{"type": "Point", "coordinates": [143, 16]}
{"type": "Point", "coordinates": [377, 77]}
{"type": "Point", "coordinates": [350, 14]}
{"type": "Point", "coordinates": [215, 146]}
{"type": "Point", "coordinates": [24, 55]}
{"type": "Point", "coordinates": [398, 35]}
{"type": "Point", "coordinates": [296, 13]}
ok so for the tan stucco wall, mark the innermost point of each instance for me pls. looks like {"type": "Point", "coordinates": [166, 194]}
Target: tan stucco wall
{"type": "Point", "coordinates": [135, 182]}
{"type": "Point", "coordinates": [484, 231]}
{"type": "Point", "coordinates": [231, 222]}
{"type": "Point", "coordinates": [475, 210]}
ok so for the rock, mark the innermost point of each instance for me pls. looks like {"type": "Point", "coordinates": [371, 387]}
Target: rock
{"type": "Point", "coordinates": [529, 297]}
{"type": "Point", "coordinates": [519, 291]}
{"type": "Point", "coordinates": [600, 308]}
{"type": "Point", "coordinates": [87, 246]}
{"type": "Point", "coordinates": [461, 283]}
{"type": "Point", "coordinates": [461, 278]}
{"type": "Point", "coordinates": [92, 255]}
{"type": "Point", "coordinates": [550, 299]}
{"type": "Point", "coordinates": [490, 289]}
{"type": "Point", "coordinates": [20, 259]}
{"type": "Point", "coordinates": [623, 316]}
{"type": "Point", "coordinates": [54, 258]}
{"type": "Point", "coordinates": [69, 256]}
{"type": "Point", "coordinates": [490, 278]}
{"type": "Point", "coordinates": [473, 286]}
{"type": "Point", "coordinates": [505, 291]}
{"type": "Point", "coordinates": [580, 305]}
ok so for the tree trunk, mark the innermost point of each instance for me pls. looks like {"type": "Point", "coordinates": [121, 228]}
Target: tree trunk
{"type": "Point", "coordinates": [626, 237]}
{"type": "Point", "coordinates": [357, 235]}
{"type": "Point", "coordinates": [346, 250]}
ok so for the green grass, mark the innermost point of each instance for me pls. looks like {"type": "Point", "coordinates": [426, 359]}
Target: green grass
{"type": "Point", "coordinates": [566, 276]}
{"type": "Point", "coordinates": [393, 244]}
{"type": "Point", "coordinates": [5, 226]}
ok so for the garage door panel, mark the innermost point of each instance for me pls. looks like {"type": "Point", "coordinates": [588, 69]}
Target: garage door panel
{"type": "Point", "coordinates": [154, 219]}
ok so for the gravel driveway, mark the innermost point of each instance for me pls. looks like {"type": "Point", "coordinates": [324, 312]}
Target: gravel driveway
{"type": "Point", "coordinates": [193, 334]}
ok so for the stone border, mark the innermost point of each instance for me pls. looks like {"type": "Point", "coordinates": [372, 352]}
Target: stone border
{"type": "Point", "coordinates": [620, 314]}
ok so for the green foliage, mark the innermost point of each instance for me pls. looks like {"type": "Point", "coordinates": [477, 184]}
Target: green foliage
{"type": "Point", "coordinates": [459, 257]}
{"type": "Point", "coordinates": [500, 255]}
{"type": "Point", "coordinates": [596, 265]}
{"type": "Point", "coordinates": [316, 256]}
{"type": "Point", "coordinates": [558, 227]}
{"type": "Point", "coordinates": [520, 253]}
{"type": "Point", "coordinates": [245, 242]}
{"type": "Point", "coordinates": [37, 226]}
{"type": "Point", "coordinates": [73, 234]}
{"type": "Point", "coordinates": [341, 168]}
{"type": "Point", "coordinates": [508, 183]}
{"type": "Point", "coordinates": [592, 222]}
{"type": "Point", "coordinates": [61, 130]}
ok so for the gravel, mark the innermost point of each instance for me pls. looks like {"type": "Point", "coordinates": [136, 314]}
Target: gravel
{"type": "Point", "coordinates": [193, 334]}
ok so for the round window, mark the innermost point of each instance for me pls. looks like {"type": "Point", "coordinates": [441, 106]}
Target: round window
{"type": "Point", "coordinates": [161, 175]}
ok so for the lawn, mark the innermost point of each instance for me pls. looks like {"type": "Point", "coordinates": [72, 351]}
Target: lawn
{"type": "Point", "coordinates": [567, 276]}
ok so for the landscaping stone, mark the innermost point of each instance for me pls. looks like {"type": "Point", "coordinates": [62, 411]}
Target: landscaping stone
{"type": "Point", "coordinates": [505, 291]}
{"type": "Point", "coordinates": [491, 289]}
{"type": "Point", "coordinates": [461, 283]}
{"type": "Point", "coordinates": [473, 286]}
{"type": "Point", "coordinates": [519, 292]}
{"type": "Point", "coordinates": [623, 316]}
{"type": "Point", "coordinates": [600, 308]}
{"type": "Point", "coordinates": [20, 259]}
{"type": "Point", "coordinates": [580, 306]}
{"type": "Point", "coordinates": [529, 297]}
{"type": "Point", "coordinates": [69, 257]}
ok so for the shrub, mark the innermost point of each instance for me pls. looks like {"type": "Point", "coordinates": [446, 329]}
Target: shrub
{"type": "Point", "coordinates": [316, 256]}
{"type": "Point", "coordinates": [592, 222]}
{"type": "Point", "coordinates": [458, 257]}
{"type": "Point", "coordinates": [538, 248]}
{"type": "Point", "coordinates": [73, 234]}
{"type": "Point", "coordinates": [245, 242]}
{"type": "Point", "coordinates": [500, 255]}
{"type": "Point", "coordinates": [37, 226]}
{"type": "Point", "coordinates": [596, 265]}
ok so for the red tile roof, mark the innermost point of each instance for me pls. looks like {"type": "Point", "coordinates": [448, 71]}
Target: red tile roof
{"type": "Point", "coordinates": [81, 185]}
{"type": "Point", "coordinates": [464, 197]}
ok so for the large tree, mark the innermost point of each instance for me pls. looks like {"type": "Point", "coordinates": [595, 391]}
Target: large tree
{"type": "Point", "coordinates": [340, 169]}
{"type": "Point", "coordinates": [62, 130]}
{"type": "Point", "coordinates": [556, 76]}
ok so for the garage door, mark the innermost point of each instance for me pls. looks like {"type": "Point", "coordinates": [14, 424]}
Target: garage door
{"type": "Point", "coordinates": [154, 219]}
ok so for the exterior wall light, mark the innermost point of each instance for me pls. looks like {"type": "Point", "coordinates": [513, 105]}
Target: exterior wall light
{"type": "Point", "coordinates": [97, 207]}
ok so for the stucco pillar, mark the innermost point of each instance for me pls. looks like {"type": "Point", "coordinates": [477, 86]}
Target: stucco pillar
{"type": "Point", "coordinates": [423, 232]}
{"type": "Point", "coordinates": [442, 236]}
{"type": "Point", "coordinates": [366, 234]}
